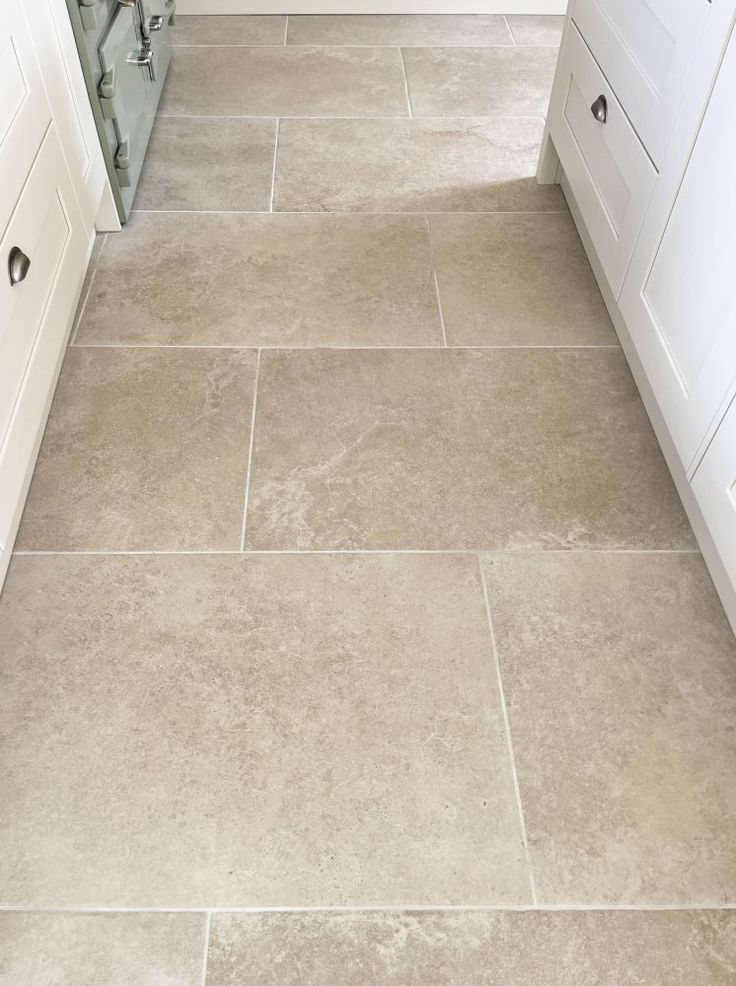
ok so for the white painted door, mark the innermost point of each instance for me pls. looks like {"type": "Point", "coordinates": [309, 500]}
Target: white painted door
{"type": "Point", "coordinates": [680, 306]}
{"type": "Point", "coordinates": [646, 49]}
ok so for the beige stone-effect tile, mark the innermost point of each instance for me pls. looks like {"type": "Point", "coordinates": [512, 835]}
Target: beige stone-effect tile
{"type": "Point", "coordinates": [529, 948]}
{"type": "Point", "coordinates": [214, 29]}
{"type": "Point", "coordinates": [620, 677]}
{"type": "Point", "coordinates": [273, 730]}
{"type": "Point", "coordinates": [477, 82]}
{"type": "Point", "coordinates": [411, 166]}
{"type": "Point", "coordinates": [144, 449]}
{"type": "Point", "coordinates": [542, 29]}
{"type": "Point", "coordinates": [272, 280]}
{"type": "Point", "coordinates": [295, 81]}
{"type": "Point", "coordinates": [517, 280]}
{"type": "Point", "coordinates": [101, 949]}
{"type": "Point", "coordinates": [208, 164]}
{"type": "Point", "coordinates": [451, 449]}
{"type": "Point", "coordinates": [399, 29]}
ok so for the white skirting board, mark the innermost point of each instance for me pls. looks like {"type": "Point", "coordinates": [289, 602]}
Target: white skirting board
{"type": "Point", "coordinates": [371, 6]}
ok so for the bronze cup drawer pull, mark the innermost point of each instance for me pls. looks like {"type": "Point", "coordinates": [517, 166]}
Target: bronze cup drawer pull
{"type": "Point", "coordinates": [599, 109]}
{"type": "Point", "coordinates": [18, 265]}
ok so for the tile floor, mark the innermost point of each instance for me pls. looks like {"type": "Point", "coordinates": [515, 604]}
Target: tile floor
{"type": "Point", "coordinates": [355, 633]}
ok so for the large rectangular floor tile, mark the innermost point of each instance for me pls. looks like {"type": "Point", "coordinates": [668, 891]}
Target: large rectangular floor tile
{"type": "Point", "coordinates": [399, 29]}
{"type": "Point", "coordinates": [144, 449]}
{"type": "Point", "coordinates": [280, 81]}
{"type": "Point", "coordinates": [620, 677]}
{"type": "Point", "coordinates": [456, 449]}
{"type": "Point", "coordinates": [411, 166]}
{"type": "Point", "coordinates": [541, 29]}
{"type": "Point", "coordinates": [45, 949]}
{"type": "Point", "coordinates": [480, 81]}
{"type": "Point", "coordinates": [471, 949]}
{"type": "Point", "coordinates": [272, 280]}
{"type": "Point", "coordinates": [517, 280]}
{"type": "Point", "coordinates": [213, 29]}
{"type": "Point", "coordinates": [208, 164]}
{"type": "Point", "coordinates": [203, 730]}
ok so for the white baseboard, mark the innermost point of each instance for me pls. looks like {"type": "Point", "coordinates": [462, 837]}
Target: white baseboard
{"type": "Point", "coordinates": [371, 6]}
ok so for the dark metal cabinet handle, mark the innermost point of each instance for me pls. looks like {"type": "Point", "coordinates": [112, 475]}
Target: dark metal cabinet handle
{"type": "Point", "coordinates": [599, 109]}
{"type": "Point", "coordinates": [18, 265]}
{"type": "Point", "coordinates": [156, 23]}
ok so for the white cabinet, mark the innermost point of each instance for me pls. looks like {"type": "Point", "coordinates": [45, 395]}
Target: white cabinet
{"type": "Point", "coordinates": [662, 237]}
{"type": "Point", "coordinates": [645, 48]}
{"type": "Point", "coordinates": [51, 180]}
{"type": "Point", "coordinates": [680, 302]}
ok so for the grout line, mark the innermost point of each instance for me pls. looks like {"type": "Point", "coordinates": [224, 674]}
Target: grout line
{"type": "Point", "coordinates": [379, 908]}
{"type": "Point", "coordinates": [83, 305]}
{"type": "Point", "coordinates": [302, 45]}
{"type": "Point", "coordinates": [273, 172]}
{"type": "Point", "coordinates": [348, 212]}
{"type": "Point", "coordinates": [342, 348]}
{"type": "Point", "coordinates": [468, 118]}
{"type": "Point", "coordinates": [286, 31]}
{"type": "Point", "coordinates": [508, 28]}
{"type": "Point", "coordinates": [250, 452]}
{"type": "Point", "coordinates": [206, 949]}
{"type": "Point", "coordinates": [507, 730]}
{"type": "Point", "coordinates": [406, 83]}
{"type": "Point", "coordinates": [153, 552]}
{"type": "Point", "coordinates": [436, 283]}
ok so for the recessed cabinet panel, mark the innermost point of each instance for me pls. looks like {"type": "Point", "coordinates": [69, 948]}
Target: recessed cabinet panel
{"type": "Point", "coordinates": [682, 309]}
{"type": "Point", "coordinates": [605, 164]}
{"type": "Point", "coordinates": [24, 110]}
{"type": "Point", "coordinates": [646, 49]}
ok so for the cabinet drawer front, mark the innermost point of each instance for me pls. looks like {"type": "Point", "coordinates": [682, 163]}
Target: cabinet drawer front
{"type": "Point", "coordinates": [606, 166]}
{"type": "Point", "coordinates": [714, 485]}
{"type": "Point", "coordinates": [24, 110]}
{"type": "Point", "coordinates": [36, 312]}
{"type": "Point", "coordinates": [645, 48]}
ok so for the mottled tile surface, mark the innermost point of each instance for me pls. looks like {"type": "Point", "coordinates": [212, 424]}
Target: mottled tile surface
{"type": "Point", "coordinates": [620, 678]}
{"type": "Point", "coordinates": [536, 30]}
{"type": "Point", "coordinates": [411, 166]}
{"type": "Point", "coordinates": [203, 730]}
{"type": "Point", "coordinates": [517, 280]}
{"type": "Point", "coordinates": [144, 449]}
{"type": "Point", "coordinates": [480, 81]}
{"type": "Point", "coordinates": [295, 81]}
{"type": "Point", "coordinates": [456, 449]}
{"type": "Point", "coordinates": [101, 949]}
{"type": "Point", "coordinates": [276, 280]}
{"type": "Point", "coordinates": [501, 949]}
{"type": "Point", "coordinates": [206, 164]}
{"type": "Point", "coordinates": [214, 29]}
{"type": "Point", "coordinates": [399, 29]}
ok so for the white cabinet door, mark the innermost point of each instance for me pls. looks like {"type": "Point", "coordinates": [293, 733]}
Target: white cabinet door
{"type": "Point", "coordinates": [24, 109]}
{"type": "Point", "coordinates": [56, 49]}
{"type": "Point", "coordinates": [680, 307]}
{"type": "Point", "coordinates": [645, 48]}
{"type": "Point", "coordinates": [714, 485]}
